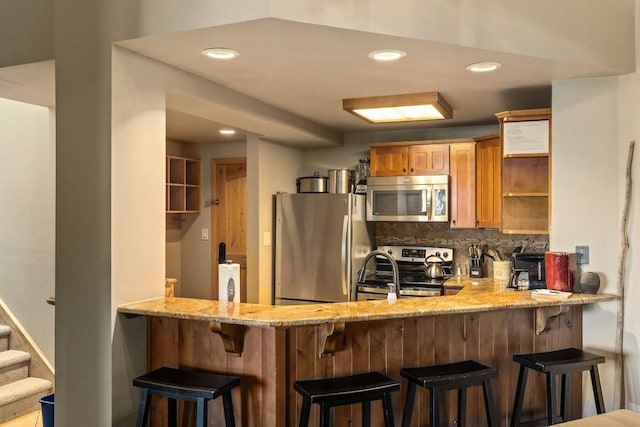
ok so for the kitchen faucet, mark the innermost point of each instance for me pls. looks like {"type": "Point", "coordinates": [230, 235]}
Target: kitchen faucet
{"type": "Point", "coordinates": [394, 266]}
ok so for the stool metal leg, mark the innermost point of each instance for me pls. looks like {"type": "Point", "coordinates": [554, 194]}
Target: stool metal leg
{"type": "Point", "coordinates": [408, 404]}
{"type": "Point", "coordinates": [564, 402]}
{"type": "Point", "coordinates": [201, 412]}
{"type": "Point", "coordinates": [597, 389]}
{"type": "Point", "coordinates": [489, 404]}
{"type": "Point", "coordinates": [462, 407]}
{"type": "Point", "coordinates": [552, 394]}
{"type": "Point", "coordinates": [366, 413]}
{"type": "Point", "coordinates": [325, 412]}
{"type": "Point", "coordinates": [172, 412]}
{"type": "Point", "coordinates": [388, 410]}
{"type": "Point", "coordinates": [143, 408]}
{"type": "Point", "coordinates": [434, 409]}
{"type": "Point", "coordinates": [304, 413]}
{"type": "Point", "coordinates": [227, 404]}
{"type": "Point", "coordinates": [517, 403]}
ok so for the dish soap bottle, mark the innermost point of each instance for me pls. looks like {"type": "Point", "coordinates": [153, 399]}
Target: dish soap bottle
{"type": "Point", "coordinates": [392, 295]}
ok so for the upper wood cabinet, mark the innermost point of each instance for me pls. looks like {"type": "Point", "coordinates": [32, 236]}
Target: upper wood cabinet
{"type": "Point", "coordinates": [409, 158]}
{"type": "Point", "coordinates": [526, 171]}
{"type": "Point", "coordinates": [432, 159]}
{"type": "Point", "coordinates": [183, 185]}
{"type": "Point", "coordinates": [488, 180]}
{"type": "Point", "coordinates": [463, 184]}
{"type": "Point", "coordinates": [389, 161]}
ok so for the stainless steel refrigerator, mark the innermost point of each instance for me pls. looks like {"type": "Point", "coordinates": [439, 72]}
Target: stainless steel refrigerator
{"type": "Point", "coordinates": [320, 242]}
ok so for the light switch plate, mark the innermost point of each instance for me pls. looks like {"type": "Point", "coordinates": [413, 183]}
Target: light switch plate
{"type": "Point", "coordinates": [204, 234]}
{"type": "Point", "coordinates": [582, 253]}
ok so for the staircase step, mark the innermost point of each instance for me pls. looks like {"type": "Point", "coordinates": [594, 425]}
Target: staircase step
{"type": "Point", "coordinates": [14, 366]}
{"type": "Point", "coordinates": [21, 397]}
{"type": "Point", "coordinates": [5, 331]}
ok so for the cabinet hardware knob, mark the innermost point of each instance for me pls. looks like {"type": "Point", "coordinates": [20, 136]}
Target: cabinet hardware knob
{"type": "Point", "coordinates": [411, 169]}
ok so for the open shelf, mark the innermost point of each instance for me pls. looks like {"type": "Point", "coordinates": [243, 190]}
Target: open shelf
{"type": "Point", "coordinates": [183, 185]}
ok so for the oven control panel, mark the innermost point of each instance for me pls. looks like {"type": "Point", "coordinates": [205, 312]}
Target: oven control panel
{"type": "Point", "coordinates": [417, 253]}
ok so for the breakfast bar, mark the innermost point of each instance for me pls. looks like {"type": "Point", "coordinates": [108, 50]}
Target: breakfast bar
{"type": "Point", "coordinates": [270, 347]}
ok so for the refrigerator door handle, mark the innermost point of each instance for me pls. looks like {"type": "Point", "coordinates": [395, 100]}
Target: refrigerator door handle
{"type": "Point", "coordinates": [344, 254]}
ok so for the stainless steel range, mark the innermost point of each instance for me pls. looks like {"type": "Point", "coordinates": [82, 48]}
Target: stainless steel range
{"type": "Point", "coordinates": [411, 267]}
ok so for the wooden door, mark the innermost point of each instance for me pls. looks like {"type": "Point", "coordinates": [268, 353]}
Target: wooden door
{"type": "Point", "coordinates": [463, 185]}
{"type": "Point", "coordinates": [488, 177]}
{"type": "Point", "coordinates": [432, 159]}
{"type": "Point", "coordinates": [388, 161]}
{"type": "Point", "coordinates": [229, 218]}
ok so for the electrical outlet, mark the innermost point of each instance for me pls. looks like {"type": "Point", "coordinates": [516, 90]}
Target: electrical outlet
{"type": "Point", "coordinates": [582, 253]}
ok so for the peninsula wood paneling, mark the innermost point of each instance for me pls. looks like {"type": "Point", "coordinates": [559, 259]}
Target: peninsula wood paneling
{"type": "Point", "coordinates": [274, 358]}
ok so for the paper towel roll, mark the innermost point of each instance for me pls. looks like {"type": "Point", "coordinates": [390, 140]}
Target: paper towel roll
{"type": "Point", "coordinates": [229, 282]}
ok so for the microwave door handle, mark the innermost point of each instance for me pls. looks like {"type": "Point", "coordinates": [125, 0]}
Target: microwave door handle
{"type": "Point", "coordinates": [426, 202]}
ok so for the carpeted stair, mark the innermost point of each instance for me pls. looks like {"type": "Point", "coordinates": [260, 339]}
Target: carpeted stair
{"type": "Point", "coordinates": [19, 393]}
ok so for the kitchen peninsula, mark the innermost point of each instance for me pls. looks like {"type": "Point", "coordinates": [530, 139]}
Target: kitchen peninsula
{"type": "Point", "coordinates": [270, 347]}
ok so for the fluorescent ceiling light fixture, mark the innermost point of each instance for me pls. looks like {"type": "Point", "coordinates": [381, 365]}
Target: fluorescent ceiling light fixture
{"type": "Point", "coordinates": [484, 67]}
{"type": "Point", "coordinates": [220, 53]}
{"type": "Point", "coordinates": [399, 108]}
{"type": "Point", "coordinates": [227, 131]}
{"type": "Point", "coordinates": [387, 55]}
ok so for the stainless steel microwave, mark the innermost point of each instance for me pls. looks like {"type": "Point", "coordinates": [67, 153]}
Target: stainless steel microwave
{"type": "Point", "coordinates": [408, 198]}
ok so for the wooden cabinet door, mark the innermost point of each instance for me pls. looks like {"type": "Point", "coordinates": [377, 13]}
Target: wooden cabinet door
{"type": "Point", "coordinates": [488, 177]}
{"type": "Point", "coordinates": [463, 185]}
{"type": "Point", "coordinates": [430, 159]}
{"type": "Point", "coordinates": [389, 161]}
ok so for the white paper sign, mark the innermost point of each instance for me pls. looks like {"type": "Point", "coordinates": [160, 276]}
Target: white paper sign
{"type": "Point", "coordinates": [526, 137]}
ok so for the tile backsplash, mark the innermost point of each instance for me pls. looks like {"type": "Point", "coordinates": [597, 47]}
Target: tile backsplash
{"type": "Point", "coordinates": [436, 234]}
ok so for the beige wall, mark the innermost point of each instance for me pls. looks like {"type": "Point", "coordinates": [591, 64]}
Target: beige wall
{"type": "Point", "coordinates": [27, 192]}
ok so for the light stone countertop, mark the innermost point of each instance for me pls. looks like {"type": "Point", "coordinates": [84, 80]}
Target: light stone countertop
{"type": "Point", "coordinates": [476, 295]}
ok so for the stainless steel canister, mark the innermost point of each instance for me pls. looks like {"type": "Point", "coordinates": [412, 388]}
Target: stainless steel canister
{"type": "Point", "coordinates": [340, 180]}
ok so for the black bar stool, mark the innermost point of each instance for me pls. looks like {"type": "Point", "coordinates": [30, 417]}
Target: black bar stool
{"type": "Point", "coordinates": [439, 378]}
{"type": "Point", "coordinates": [199, 387]}
{"type": "Point", "coordinates": [552, 363]}
{"type": "Point", "coordinates": [330, 392]}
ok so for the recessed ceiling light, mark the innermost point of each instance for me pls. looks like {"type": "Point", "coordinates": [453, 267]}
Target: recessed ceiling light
{"type": "Point", "coordinates": [387, 55]}
{"type": "Point", "coordinates": [220, 53]}
{"type": "Point", "coordinates": [227, 131]}
{"type": "Point", "coordinates": [483, 67]}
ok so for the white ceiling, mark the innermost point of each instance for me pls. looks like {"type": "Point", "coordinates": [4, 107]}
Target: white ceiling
{"type": "Point", "coordinates": [307, 69]}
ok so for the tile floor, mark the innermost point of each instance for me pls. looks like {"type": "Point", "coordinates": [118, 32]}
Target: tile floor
{"type": "Point", "coordinates": [30, 420]}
